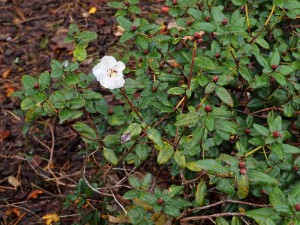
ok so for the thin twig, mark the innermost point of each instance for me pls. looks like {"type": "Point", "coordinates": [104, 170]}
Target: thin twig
{"type": "Point", "coordinates": [123, 92]}
{"type": "Point", "coordinates": [197, 218]}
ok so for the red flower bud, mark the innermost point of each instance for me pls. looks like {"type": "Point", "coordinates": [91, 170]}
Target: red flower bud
{"type": "Point", "coordinates": [242, 165]}
{"type": "Point", "coordinates": [215, 79]}
{"type": "Point", "coordinates": [36, 85]}
{"type": "Point", "coordinates": [297, 207]}
{"type": "Point", "coordinates": [243, 171]}
{"type": "Point", "coordinates": [208, 108]}
{"type": "Point", "coordinates": [160, 201]}
{"type": "Point", "coordinates": [247, 131]}
{"type": "Point", "coordinates": [276, 134]}
{"type": "Point", "coordinates": [224, 21]}
{"type": "Point", "coordinates": [274, 67]}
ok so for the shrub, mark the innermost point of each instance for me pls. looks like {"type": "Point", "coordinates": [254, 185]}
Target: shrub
{"type": "Point", "coordinates": [212, 101]}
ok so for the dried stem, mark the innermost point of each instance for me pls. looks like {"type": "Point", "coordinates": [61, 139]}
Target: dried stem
{"type": "Point", "coordinates": [123, 92]}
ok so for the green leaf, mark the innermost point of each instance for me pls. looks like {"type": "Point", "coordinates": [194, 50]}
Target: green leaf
{"type": "Point", "coordinates": [85, 131]}
{"type": "Point", "coordinates": [279, 78]}
{"type": "Point", "coordinates": [275, 58]}
{"type": "Point", "coordinates": [127, 35]}
{"type": "Point", "coordinates": [134, 9]}
{"type": "Point", "coordinates": [209, 122]}
{"type": "Point", "coordinates": [276, 148]}
{"type": "Point", "coordinates": [180, 158]}
{"type": "Point", "coordinates": [262, 130]}
{"type": "Point", "coordinates": [111, 140]}
{"type": "Point", "coordinates": [224, 95]}
{"type": "Point", "coordinates": [236, 221]}
{"type": "Point", "coordinates": [204, 26]}
{"type": "Point", "coordinates": [48, 109]}
{"type": "Point", "coordinates": [285, 70]}
{"type": "Point", "coordinates": [136, 215]}
{"type": "Point", "coordinates": [278, 201]}
{"type": "Point", "coordinates": [202, 80]}
{"type": "Point", "coordinates": [141, 41]}
{"type": "Point", "coordinates": [44, 80]}
{"type": "Point", "coordinates": [263, 43]}
{"type": "Point", "coordinates": [244, 72]}
{"type": "Point", "coordinates": [80, 52]}
{"type": "Point", "coordinates": [91, 95]}
{"type": "Point", "coordinates": [209, 165]}
{"type": "Point", "coordinates": [289, 149]}
{"type": "Point", "coordinates": [196, 13]}
{"type": "Point", "coordinates": [257, 177]}
{"type": "Point", "coordinates": [165, 153]}
{"type": "Point", "coordinates": [155, 136]}
{"type": "Point", "coordinates": [57, 73]}
{"type": "Point", "coordinates": [175, 190]}
{"type": "Point", "coordinates": [86, 36]}
{"type": "Point", "coordinates": [261, 60]}
{"type": "Point", "coordinates": [217, 14]}
{"type": "Point", "coordinates": [28, 81]}
{"type": "Point", "coordinates": [39, 97]}
{"type": "Point", "coordinates": [116, 5]}
{"type": "Point", "coordinates": [210, 88]}
{"type": "Point", "coordinates": [67, 114]}
{"type": "Point", "coordinates": [125, 23]}
{"type": "Point", "coordinates": [27, 103]}
{"type": "Point", "coordinates": [176, 91]}
{"type": "Point", "coordinates": [76, 103]}
{"type": "Point", "coordinates": [71, 79]}
{"type": "Point", "coordinates": [201, 193]}
{"type": "Point", "coordinates": [242, 186]}
{"type": "Point", "coordinates": [221, 221]}
{"type": "Point", "coordinates": [132, 194]}
{"type": "Point", "coordinates": [134, 182]}
{"type": "Point", "coordinates": [171, 210]}
{"type": "Point", "coordinates": [262, 216]}
{"type": "Point", "coordinates": [134, 129]}
{"type": "Point", "coordinates": [238, 2]}
{"type": "Point", "coordinates": [204, 63]}
{"type": "Point", "coordinates": [110, 156]}
{"type": "Point", "coordinates": [187, 119]}
{"type": "Point", "coordinates": [288, 109]}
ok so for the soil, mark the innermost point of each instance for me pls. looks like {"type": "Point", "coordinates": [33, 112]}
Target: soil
{"type": "Point", "coordinates": [31, 34]}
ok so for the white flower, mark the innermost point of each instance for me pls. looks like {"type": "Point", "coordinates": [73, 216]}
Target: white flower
{"type": "Point", "coordinates": [109, 72]}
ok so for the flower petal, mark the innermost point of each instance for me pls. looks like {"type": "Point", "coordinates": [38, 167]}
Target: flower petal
{"type": "Point", "coordinates": [113, 82]}
{"type": "Point", "coordinates": [120, 66]}
{"type": "Point", "coordinates": [108, 61]}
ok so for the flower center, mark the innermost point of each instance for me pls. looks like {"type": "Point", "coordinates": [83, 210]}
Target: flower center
{"type": "Point", "coordinates": [112, 72]}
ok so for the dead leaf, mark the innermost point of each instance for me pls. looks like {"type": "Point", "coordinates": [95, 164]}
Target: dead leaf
{"type": "Point", "coordinates": [173, 24]}
{"type": "Point", "coordinates": [159, 218]}
{"type": "Point", "coordinates": [34, 194]}
{"type": "Point", "coordinates": [50, 218]}
{"type": "Point", "coordinates": [4, 134]}
{"type": "Point", "coordinates": [16, 211]}
{"type": "Point", "coordinates": [113, 219]}
{"type": "Point", "coordinates": [92, 10]}
{"type": "Point", "coordinates": [6, 73]}
{"type": "Point", "coordinates": [9, 91]}
{"type": "Point", "coordinates": [118, 31]}
{"type": "Point", "coordinates": [57, 42]}
{"type": "Point", "coordinates": [13, 182]}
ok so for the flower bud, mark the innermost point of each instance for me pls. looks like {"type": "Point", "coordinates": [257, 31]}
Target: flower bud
{"type": "Point", "coordinates": [224, 21]}
{"type": "Point", "coordinates": [215, 79]}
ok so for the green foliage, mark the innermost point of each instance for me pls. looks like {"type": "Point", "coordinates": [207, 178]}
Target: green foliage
{"type": "Point", "coordinates": [216, 105]}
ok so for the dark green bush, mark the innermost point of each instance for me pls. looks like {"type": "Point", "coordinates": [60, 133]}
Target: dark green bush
{"type": "Point", "coordinates": [214, 101]}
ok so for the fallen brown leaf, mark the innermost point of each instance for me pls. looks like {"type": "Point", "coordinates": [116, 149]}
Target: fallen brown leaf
{"type": "Point", "coordinates": [13, 182]}
{"type": "Point", "coordinates": [34, 194]}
